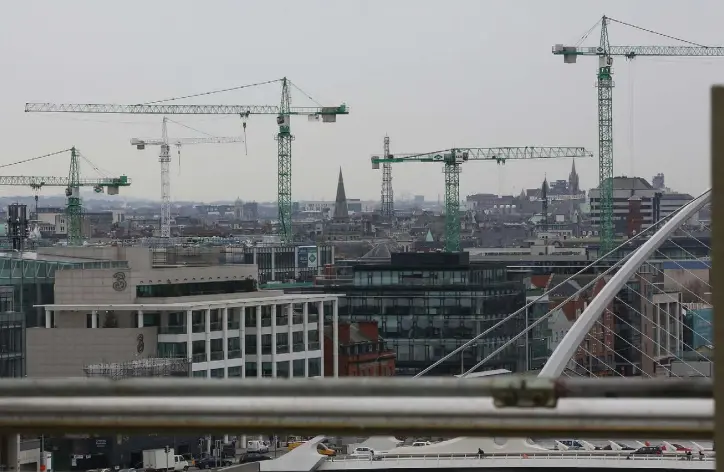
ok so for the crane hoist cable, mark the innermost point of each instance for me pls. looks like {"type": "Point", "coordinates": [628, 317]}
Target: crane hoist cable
{"type": "Point", "coordinates": [35, 158]}
{"type": "Point", "coordinates": [212, 92]}
{"type": "Point", "coordinates": [178, 145]}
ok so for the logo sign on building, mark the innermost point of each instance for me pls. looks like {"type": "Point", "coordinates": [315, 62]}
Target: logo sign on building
{"type": "Point", "coordinates": [119, 281]}
{"type": "Point", "coordinates": [307, 257]}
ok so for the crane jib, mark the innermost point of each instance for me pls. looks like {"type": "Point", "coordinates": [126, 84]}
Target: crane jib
{"type": "Point", "coordinates": [164, 109]}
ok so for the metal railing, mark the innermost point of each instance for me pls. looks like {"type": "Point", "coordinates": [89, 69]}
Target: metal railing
{"type": "Point", "coordinates": [608, 456]}
{"type": "Point", "coordinates": [511, 406]}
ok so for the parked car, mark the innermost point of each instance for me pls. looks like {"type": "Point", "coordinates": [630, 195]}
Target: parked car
{"type": "Point", "coordinates": [213, 462]}
{"type": "Point", "coordinates": [366, 453]}
{"type": "Point", "coordinates": [647, 451]}
{"type": "Point", "coordinates": [253, 457]}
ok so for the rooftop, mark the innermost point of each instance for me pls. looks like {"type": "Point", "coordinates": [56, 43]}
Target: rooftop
{"type": "Point", "coordinates": [196, 304]}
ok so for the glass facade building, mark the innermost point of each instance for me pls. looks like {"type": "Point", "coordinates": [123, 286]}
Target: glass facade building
{"type": "Point", "coordinates": [26, 280]}
{"type": "Point", "coordinates": [428, 304]}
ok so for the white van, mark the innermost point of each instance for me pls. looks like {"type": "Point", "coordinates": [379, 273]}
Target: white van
{"type": "Point", "coordinates": [262, 447]}
{"type": "Point", "coordinates": [180, 463]}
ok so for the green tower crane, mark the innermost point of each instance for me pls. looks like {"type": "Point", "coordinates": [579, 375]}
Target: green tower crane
{"type": "Point", "coordinates": [453, 158]}
{"type": "Point", "coordinates": [283, 112]}
{"type": "Point", "coordinates": [604, 82]}
{"type": "Point", "coordinates": [72, 184]}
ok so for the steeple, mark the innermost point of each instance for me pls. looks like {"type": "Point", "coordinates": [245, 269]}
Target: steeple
{"type": "Point", "coordinates": [340, 203]}
{"type": "Point", "coordinates": [573, 184]}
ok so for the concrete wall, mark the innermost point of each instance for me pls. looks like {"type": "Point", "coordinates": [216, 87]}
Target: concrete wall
{"type": "Point", "coordinates": [96, 286]}
{"type": "Point", "coordinates": [57, 352]}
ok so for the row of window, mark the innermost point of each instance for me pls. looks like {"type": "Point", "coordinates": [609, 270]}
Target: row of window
{"type": "Point", "coordinates": [216, 346]}
{"type": "Point", "coordinates": [196, 288]}
{"type": "Point", "coordinates": [285, 369]}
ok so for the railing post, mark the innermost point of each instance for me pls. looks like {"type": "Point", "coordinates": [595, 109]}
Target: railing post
{"type": "Point", "coordinates": [717, 229]}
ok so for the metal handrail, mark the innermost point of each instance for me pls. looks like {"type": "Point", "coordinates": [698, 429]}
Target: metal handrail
{"type": "Point", "coordinates": [511, 390]}
{"type": "Point", "coordinates": [605, 455]}
{"type": "Point", "coordinates": [514, 406]}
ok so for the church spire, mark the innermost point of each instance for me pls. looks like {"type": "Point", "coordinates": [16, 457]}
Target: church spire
{"type": "Point", "coordinates": [573, 183]}
{"type": "Point", "coordinates": [340, 202]}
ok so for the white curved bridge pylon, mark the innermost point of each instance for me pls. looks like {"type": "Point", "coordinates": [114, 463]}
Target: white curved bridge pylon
{"type": "Point", "coordinates": [569, 344]}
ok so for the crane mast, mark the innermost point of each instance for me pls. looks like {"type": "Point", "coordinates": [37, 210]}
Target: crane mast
{"type": "Point", "coordinates": [283, 112]}
{"type": "Point", "coordinates": [164, 159]}
{"type": "Point", "coordinates": [605, 141]}
{"type": "Point", "coordinates": [387, 199]}
{"type": "Point", "coordinates": [74, 209]}
{"type": "Point", "coordinates": [284, 165]}
{"type": "Point", "coordinates": [604, 83]}
{"type": "Point", "coordinates": [453, 158]}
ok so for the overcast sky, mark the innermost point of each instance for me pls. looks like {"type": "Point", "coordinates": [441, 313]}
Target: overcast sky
{"type": "Point", "coordinates": [431, 74]}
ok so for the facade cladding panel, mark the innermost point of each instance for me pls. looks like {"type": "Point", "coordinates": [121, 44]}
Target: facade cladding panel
{"type": "Point", "coordinates": [426, 305]}
{"type": "Point", "coordinates": [283, 263]}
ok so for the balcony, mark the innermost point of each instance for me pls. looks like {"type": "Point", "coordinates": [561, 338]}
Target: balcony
{"type": "Point", "coordinates": [298, 347]}
{"type": "Point", "coordinates": [282, 348]}
{"type": "Point", "coordinates": [198, 358]}
{"type": "Point", "coordinates": [216, 326]}
{"type": "Point", "coordinates": [234, 354]}
{"type": "Point", "coordinates": [313, 346]}
{"type": "Point", "coordinates": [233, 325]}
{"type": "Point", "coordinates": [198, 327]}
{"type": "Point", "coordinates": [217, 355]}
{"type": "Point", "coordinates": [172, 329]}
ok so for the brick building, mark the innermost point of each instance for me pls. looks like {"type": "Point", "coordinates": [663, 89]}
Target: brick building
{"type": "Point", "coordinates": [362, 352]}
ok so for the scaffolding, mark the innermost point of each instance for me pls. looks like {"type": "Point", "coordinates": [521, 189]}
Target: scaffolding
{"type": "Point", "coordinates": [150, 367]}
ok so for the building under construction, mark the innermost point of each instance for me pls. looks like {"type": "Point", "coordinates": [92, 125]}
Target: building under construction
{"type": "Point", "coordinates": [151, 367]}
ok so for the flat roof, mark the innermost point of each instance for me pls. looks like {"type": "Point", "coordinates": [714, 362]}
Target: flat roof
{"type": "Point", "coordinates": [196, 304]}
{"type": "Point", "coordinates": [34, 256]}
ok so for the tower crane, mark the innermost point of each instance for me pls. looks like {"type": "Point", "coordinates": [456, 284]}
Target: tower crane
{"type": "Point", "coordinates": [72, 184]}
{"type": "Point", "coordinates": [165, 159]}
{"type": "Point", "coordinates": [387, 200]}
{"type": "Point", "coordinates": [283, 112]}
{"type": "Point", "coordinates": [604, 82]}
{"type": "Point", "coordinates": [454, 158]}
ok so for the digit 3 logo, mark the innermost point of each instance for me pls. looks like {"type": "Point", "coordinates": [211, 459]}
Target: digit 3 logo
{"type": "Point", "coordinates": [119, 281]}
{"type": "Point", "coordinates": [139, 344]}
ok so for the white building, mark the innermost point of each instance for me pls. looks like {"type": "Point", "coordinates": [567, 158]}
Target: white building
{"type": "Point", "coordinates": [212, 315]}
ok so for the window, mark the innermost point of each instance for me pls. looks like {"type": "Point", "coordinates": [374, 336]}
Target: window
{"type": "Point", "coordinates": [250, 317]}
{"type": "Point", "coordinates": [315, 367]}
{"type": "Point", "coordinates": [235, 371]}
{"type": "Point", "coordinates": [250, 344]}
{"type": "Point", "coordinates": [198, 351]}
{"type": "Point", "coordinates": [283, 369]}
{"type": "Point", "coordinates": [282, 343]}
{"type": "Point", "coordinates": [298, 367]}
{"type": "Point", "coordinates": [217, 373]}
{"type": "Point", "coordinates": [266, 344]}
{"type": "Point", "coordinates": [217, 349]}
{"type": "Point", "coordinates": [234, 348]}
{"type": "Point", "coordinates": [199, 373]}
{"type": "Point", "coordinates": [250, 369]}
{"type": "Point", "coordinates": [196, 288]}
{"type": "Point", "coordinates": [313, 338]}
{"type": "Point", "coordinates": [172, 350]}
{"type": "Point", "coordinates": [298, 341]}
{"type": "Point", "coordinates": [266, 369]}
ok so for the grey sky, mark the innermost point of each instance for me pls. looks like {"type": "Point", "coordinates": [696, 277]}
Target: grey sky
{"type": "Point", "coordinates": [431, 74]}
